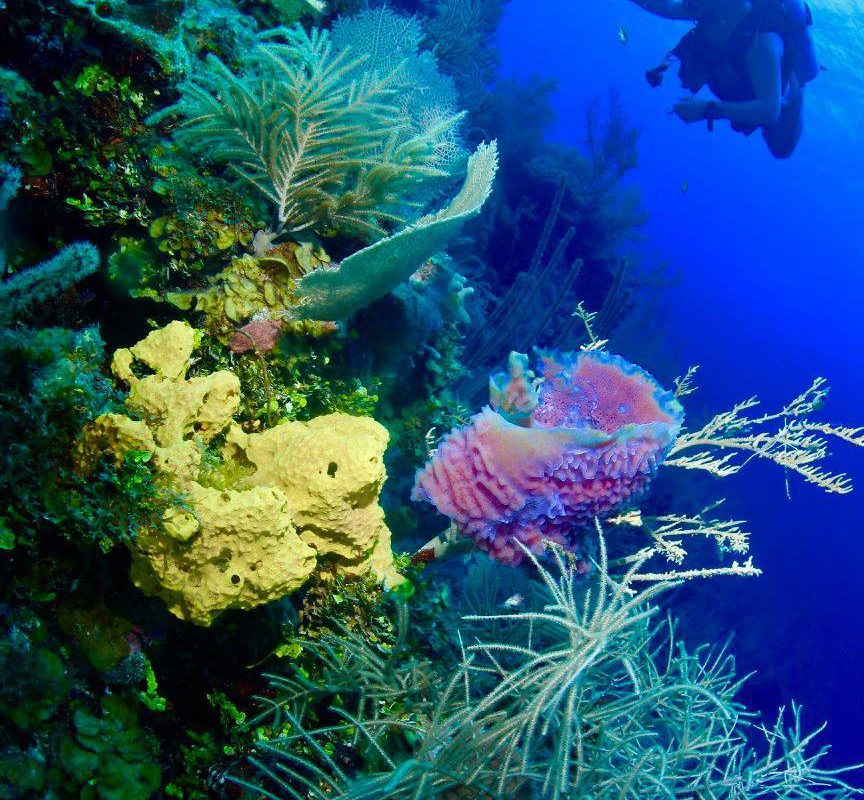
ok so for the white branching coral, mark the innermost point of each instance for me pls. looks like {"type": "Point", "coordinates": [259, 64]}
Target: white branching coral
{"type": "Point", "coordinates": [722, 447]}
{"type": "Point", "coordinates": [672, 528]}
{"type": "Point", "coordinates": [684, 384]}
{"type": "Point", "coordinates": [787, 437]}
{"type": "Point", "coordinates": [668, 536]}
{"type": "Point", "coordinates": [588, 319]}
{"type": "Point", "coordinates": [736, 569]}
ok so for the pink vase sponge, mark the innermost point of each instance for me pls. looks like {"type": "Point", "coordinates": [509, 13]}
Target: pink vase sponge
{"type": "Point", "coordinates": [552, 452]}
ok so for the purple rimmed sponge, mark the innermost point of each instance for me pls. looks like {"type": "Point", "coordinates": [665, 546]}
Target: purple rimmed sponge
{"type": "Point", "coordinates": [552, 452]}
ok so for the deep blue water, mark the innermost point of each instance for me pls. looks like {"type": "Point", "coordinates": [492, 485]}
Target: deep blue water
{"type": "Point", "coordinates": [771, 256]}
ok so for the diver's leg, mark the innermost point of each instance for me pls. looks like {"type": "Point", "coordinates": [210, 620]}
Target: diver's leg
{"type": "Point", "coordinates": [783, 136]}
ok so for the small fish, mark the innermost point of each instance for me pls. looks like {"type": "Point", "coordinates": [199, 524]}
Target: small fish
{"type": "Point", "coordinates": [685, 187]}
{"type": "Point", "coordinates": [514, 602]}
{"type": "Point", "coordinates": [623, 36]}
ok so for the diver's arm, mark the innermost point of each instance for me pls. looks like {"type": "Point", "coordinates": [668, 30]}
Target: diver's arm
{"type": "Point", "coordinates": [671, 9]}
{"type": "Point", "coordinates": [764, 64]}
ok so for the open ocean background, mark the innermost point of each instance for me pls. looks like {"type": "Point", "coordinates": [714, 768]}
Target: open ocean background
{"type": "Point", "coordinates": [771, 294]}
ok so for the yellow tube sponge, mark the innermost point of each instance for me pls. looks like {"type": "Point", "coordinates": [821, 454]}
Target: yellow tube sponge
{"type": "Point", "coordinates": [252, 530]}
{"type": "Point", "coordinates": [174, 408]}
{"type": "Point", "coordinates": [331, 470]}
{"type": "Point", "coordinates": [236, 549]}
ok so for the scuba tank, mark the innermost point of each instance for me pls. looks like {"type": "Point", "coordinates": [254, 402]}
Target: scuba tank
{"type": "Point", "coordinates": [799, 40]}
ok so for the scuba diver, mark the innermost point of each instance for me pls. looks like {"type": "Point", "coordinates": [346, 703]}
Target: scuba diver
{"type": "Point", "coordinates": [755, 56]}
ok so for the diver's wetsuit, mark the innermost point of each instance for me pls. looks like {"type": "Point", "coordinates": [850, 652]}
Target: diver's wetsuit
{"type": "Point", "coordinates": [723, 68]}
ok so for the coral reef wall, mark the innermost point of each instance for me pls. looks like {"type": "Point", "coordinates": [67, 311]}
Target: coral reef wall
{"type": "Point", "coordinates": [257, 259]}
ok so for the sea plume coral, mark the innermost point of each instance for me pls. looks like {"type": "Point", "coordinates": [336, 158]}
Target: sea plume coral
{"type": "Point", "coordinates": [315, 132]}
{"type": "Point", "coordinates": [553, 454]}
{"type": "Point", "coordinates": [580, 694]}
